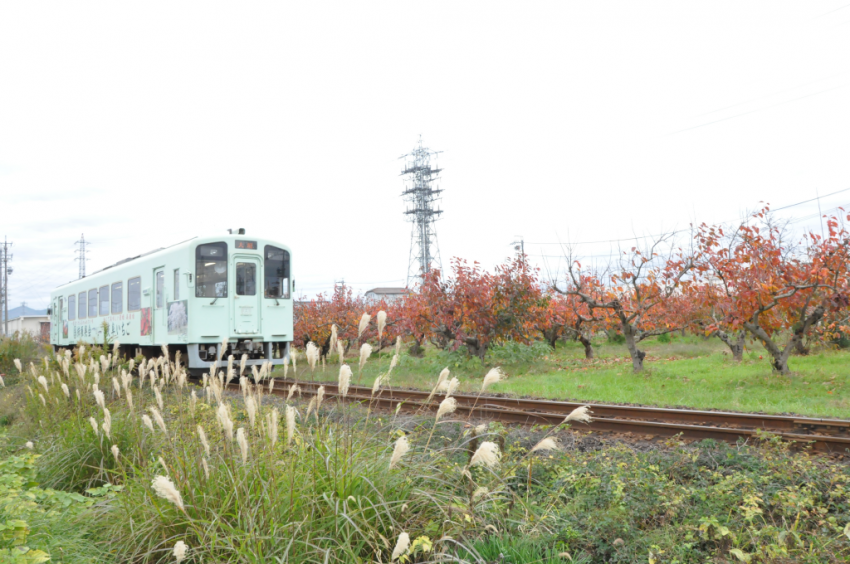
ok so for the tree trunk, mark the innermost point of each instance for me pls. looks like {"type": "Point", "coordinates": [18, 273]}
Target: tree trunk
{"type": "Point", "coordinates": [736, 345]}
{"type": "Point", "coordinates": [551, 336]}
{"type": "Point", "coordinates": [475, 347]}
{"type": "Point", "coordinates": [588, 346]}
{"type": "Point", "coordinates": [780, 356]}
{"type": "Point", "coordinates": [416, 349]}
{"type": "Point", "coordinates": [636, 354]}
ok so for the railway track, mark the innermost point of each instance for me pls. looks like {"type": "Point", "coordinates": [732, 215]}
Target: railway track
{"type": "Point", "coordinates": [822, 435]}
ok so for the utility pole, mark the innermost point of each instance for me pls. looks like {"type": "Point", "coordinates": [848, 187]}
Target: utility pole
{"type": "Point", "coordinates": [82, 254]}
{"type": "Point", "coordinates": [519, 246]}
{"type": "Point", "coordinates": [5, 271]}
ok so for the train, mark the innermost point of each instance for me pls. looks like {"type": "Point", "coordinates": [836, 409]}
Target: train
{"type": "Point", "coordinates": [191, 296]}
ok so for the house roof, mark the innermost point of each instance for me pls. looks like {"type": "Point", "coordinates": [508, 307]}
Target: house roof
{"type": "Point", "coordinates": [23, 311]}
{"type": "Point", "coordinates": [388, 291]}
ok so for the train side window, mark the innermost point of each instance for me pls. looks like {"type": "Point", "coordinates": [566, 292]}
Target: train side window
{"type": "Point", "coordinates": [81, 305]}
{"type": "Point", "coordinates": [60, 308]}
{"type": "Point", "coordinates": [176, 284]}
{"type": "Point", "coordinates": [117, 297]}
{"type": "Point", "coordinates": [211, 270]}
{"type": "Point", "coordinates": [103, 299]}
{"type": "Point", "coordinates": [93, 303]}
{"type": "Point", "coordinates": [160, 288]}
{"type": "Point", "coordinates": [276, 272]}
{"type": "Point", "coordinates": [134, 294]}
{"type": "Point", "coordinates": [72, 307]}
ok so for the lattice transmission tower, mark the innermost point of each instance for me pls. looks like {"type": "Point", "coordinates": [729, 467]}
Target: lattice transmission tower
{"type": "Point", "coordinates": [421, 196]}
{"type": "Point", "coordinates": [81, 252]}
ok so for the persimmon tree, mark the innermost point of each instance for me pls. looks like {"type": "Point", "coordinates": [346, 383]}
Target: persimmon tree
{"type": "Point", "coordinates": [569, 317]}
{"type": "Point", "coordinates": [313, 319]}
{"type": "Point", "coordinates": [771, 289]}
{"type": "Point", "coordinates": [476, 309]}
{"type": "Point", "coordinates": [642, 284]}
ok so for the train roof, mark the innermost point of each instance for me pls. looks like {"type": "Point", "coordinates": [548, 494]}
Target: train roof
{"type": "Point", "coordinates": [152, 252]}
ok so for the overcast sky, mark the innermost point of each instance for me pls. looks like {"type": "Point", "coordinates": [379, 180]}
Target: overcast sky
{"type": "Point", "coordinates": [145, 124]}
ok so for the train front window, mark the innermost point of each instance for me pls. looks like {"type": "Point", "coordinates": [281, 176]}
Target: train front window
{"type": "Point", "coordinates": [246, 279]}
{"type": "Point", "coordinates": [276, 272]}
{"type": "Point", "coordinates": [211, 270]}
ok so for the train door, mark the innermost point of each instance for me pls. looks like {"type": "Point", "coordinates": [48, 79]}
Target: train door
{"type": "Point", "coordinates": [246, 301]}
{"type": "Point", "coordinates": [56, 321]}
{"type": "Point", "coordinates": [160, 311]}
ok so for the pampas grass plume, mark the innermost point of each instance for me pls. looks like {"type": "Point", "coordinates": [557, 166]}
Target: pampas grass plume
{"type": "Point", "coordinates": [333, 340]}
{"type": "Point", "coordinates": [157, 416]}
{"type": "Point", "coordinates": [546, 444]}
{"type": "Point", "coordinates": [452, 386]}
{"type": "Point", "coordinates": [441, 382]}
{"type": "Point", "coordinates": [401, 448]}
{"type": "Point", "coordinates": [581, 414]}
{"type": "Point", "coordinates": [98, 397]}
{"type": "Point", "coordinates": [66, 391]}
{"type": "Point", "coordinates": [43, 401]}
{"type": "Point", "coordinates": [320, 395]}
{"type": "Point", "coordinates": [344, 380]}
{"type": "Point", "coordinates": [290, 424]}
{"type": "Point", "coordinates": [492, 377]}
{"type": "Point", "coordinates": [447, 407]}
{"type": "Point", "coordinates": [365, 351]}
{"type": "Point", "coordinates": [203, 437]}
{"type": "Point", "coordinates": [382, 322]}
{"type": "Point", "coordinates": [377, 385]}
{"type": "Point", "coordinates": [147, 422]}
{"type": "Point", "coordinates": [242, 364]}
{"type": "Point", "coordinates": [164, 488]}
{"type": "Point", "coordinates": [180, 551]}
{"type": "Point", "coordinates": [274, 418]}
{"type": "Point", "coordinates": [206, 468]}
{"type": "Point", "coordinates": [17, 362]}
{"type": "Point", "coordinates": [29, 445]}
{"type": "Point", "coordinates": [312, 354]}
{"type": "Point", "coordinates": [243, 443]}
{"type": "Point", "coordinates": [225, 421]}
{"type": "Point", "coordinates": [93, 424]}
{"type": "Point", "coordinates": [340, 349]}
{"type": "Point", "coordinates": [43, 381]}
{"type": "Point", "coordinates": [251, 408]}
{"type": "Point", "coordinates": [487, 455]}
{"type": "Point", "coordinates": [401, 546]}
{"type": "Point", "coordinates": [364, 323]}
{"type": "Point", "coordinates": [292, 389]}
{"type": "Point", "coordinates": [115, 452]}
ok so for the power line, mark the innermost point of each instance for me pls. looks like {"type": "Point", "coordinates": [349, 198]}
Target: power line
{"type": "Point", "coordinates": [680, 230]}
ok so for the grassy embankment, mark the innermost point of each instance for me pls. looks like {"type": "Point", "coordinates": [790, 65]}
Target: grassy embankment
{"type": "Point", "coordinates": [323, 488]}
{"type": "Point", "coordinates": [685, 372]}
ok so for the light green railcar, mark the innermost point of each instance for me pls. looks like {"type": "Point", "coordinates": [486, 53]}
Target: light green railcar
{"type": "Point", "coordinates": [189, 296]}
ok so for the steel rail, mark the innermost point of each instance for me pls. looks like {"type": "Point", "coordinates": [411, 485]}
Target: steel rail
{"type": "Point", "coordinates": [823, 435]}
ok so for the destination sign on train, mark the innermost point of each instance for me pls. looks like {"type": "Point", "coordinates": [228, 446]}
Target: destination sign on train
{"type": "Point", "coordinates": [246, 245]}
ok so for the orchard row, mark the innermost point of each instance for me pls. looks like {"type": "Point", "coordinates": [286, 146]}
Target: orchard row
{"type": "Point", "coordinates": [753, 281]}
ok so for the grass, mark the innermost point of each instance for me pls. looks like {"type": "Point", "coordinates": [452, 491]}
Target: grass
{"type": "Point", "coordinates": [326, 493]}
{"type": "Point", "coordinates": [686, 372]}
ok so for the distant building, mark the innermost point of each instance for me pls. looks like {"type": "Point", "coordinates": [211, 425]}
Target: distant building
{"type": "Point", "coordinates": [27, 324]}
{"type": "Point", "coordinates": [389, 295]}
{"type": "Point", "coordinates": [26, 319]}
